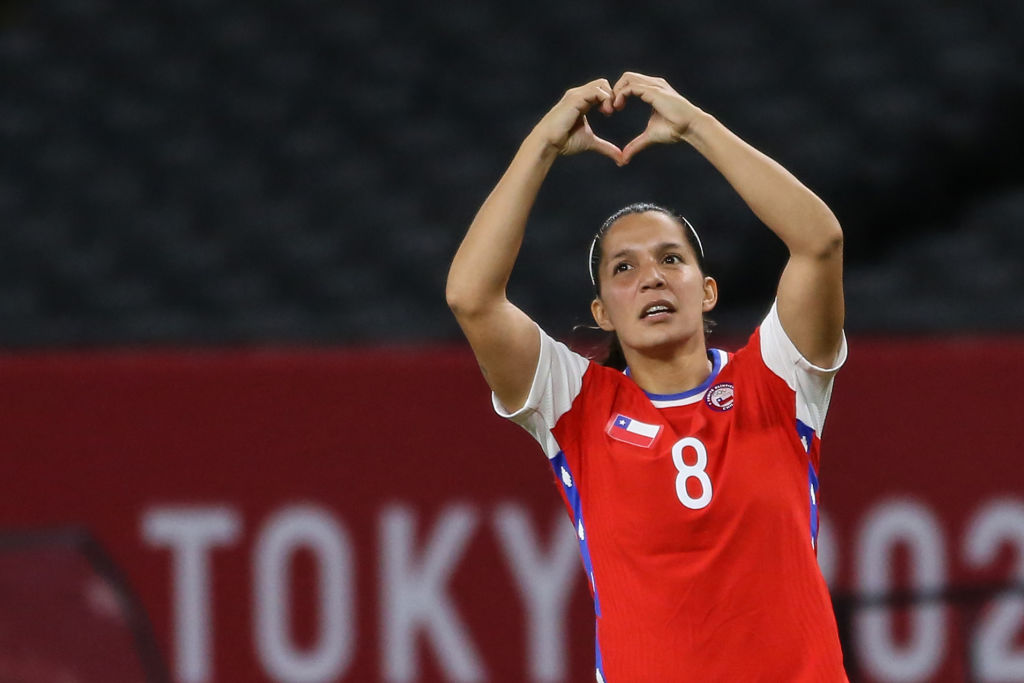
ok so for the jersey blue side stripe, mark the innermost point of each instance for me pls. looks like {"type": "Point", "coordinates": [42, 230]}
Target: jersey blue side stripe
{"type": "Point", "coordinates": [813, 477]}
{"type": "Point", "coordinates": [600, 666]}
{"type": "Point", "coordinates": [567, 480]}
{"type": "Point", "coordinates": [562, 471]}
{"type": "Point", "coordinates": [806, 435]}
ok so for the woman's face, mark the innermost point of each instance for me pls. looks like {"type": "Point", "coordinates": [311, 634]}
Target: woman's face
{"type": "Point", "coordinates": [653, 293]}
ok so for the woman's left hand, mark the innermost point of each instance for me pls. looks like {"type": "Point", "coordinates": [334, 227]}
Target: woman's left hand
{"type": "Point", "coordinates": [671, 115]}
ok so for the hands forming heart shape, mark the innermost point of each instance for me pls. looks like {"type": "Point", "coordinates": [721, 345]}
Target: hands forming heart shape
{"type": "Point", "coordinates": [566, 128]}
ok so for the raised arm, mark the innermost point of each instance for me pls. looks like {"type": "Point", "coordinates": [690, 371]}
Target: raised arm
{"type": "Point", "coordinates": [810, 294]}
{"type": "Point", "coordinates": [504, 340]}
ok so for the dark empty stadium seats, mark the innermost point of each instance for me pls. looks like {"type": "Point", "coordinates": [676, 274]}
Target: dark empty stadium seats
{"type": "Point", "coordinates": [225, 172]}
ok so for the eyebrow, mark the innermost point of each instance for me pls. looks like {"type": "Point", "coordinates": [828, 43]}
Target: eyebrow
{"type": "Point", "coordinates": [664, 246]}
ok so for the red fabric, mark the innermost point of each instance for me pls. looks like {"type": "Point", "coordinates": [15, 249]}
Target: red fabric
{"type": "Point", "coordinates": [730, 591]}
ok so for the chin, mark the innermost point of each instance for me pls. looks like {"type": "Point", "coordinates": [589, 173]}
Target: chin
{"type": "Point", "coordinates": [657, 342]}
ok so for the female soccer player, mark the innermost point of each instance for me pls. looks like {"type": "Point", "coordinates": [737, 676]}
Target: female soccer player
{"type": "Point", "coordinates": [691, 477]}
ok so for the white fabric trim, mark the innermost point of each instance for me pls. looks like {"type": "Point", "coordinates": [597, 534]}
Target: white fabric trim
{"type": "Point", "coordinates": [812, 384]}
{"type": "Point", "coordinates": [557, 381]}
{"type": "Point", "coordinates": [723, 360]}
{"type": "Point", "coordinates": [696, 398]}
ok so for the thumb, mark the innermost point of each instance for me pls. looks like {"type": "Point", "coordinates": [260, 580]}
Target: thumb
{"type": "Point", "coordinates": [642, 141]}
{"type": "Point", "coordinates": [602, 146]}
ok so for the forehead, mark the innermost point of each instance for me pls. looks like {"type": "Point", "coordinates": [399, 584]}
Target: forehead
{"type": "Point", "coordinates": [642, 232]}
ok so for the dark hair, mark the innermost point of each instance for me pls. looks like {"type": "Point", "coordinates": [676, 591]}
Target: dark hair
{"type": "Point", "coordinates": [640, 207]}
{"type": "Point", "coordinates": [615, 357]}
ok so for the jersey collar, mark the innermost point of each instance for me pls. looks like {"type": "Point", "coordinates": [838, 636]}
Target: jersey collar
{"type": "Point", "coordinates": [719, 359]}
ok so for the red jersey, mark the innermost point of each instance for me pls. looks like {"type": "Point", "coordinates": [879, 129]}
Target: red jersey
{"type": "Point", "coordinates": [696, 513]}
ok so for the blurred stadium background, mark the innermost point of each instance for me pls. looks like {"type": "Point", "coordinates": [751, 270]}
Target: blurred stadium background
{"type": "Point", "coordinates": [226, 229]}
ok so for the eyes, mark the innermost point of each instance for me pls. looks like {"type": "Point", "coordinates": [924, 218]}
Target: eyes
{"type": "Point", "coordinates": [670, 259]}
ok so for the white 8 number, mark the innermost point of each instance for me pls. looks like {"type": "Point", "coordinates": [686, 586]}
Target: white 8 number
{"type": "Point", "coordinates": [695, 471]}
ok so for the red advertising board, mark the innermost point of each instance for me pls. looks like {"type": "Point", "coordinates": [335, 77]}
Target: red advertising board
{"type": "Point", "coordinates": [363, 515]}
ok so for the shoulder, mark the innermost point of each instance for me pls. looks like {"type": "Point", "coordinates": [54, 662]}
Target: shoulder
{"type": "Point", "coordinates": [557, 381]}
{"type": "Point", "coordinates": [780, 355]}
{"type": "Point", "coordinates": [809, 384]}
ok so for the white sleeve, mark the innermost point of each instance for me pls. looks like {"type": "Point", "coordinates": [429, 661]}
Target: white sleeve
{"type": "Point", "coordinates": [556, 383]}
{"type": "Point", "coordinates": [812, 384]}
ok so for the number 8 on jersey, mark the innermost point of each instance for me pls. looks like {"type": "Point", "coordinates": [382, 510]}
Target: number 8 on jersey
{"type": "Point", "coordinates": [695, 471]}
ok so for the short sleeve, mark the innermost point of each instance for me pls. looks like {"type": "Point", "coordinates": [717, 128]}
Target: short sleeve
{"type": "Point", "coordinates": [812, 384]}
{"type": "Point", "coordinates": [556, 383]}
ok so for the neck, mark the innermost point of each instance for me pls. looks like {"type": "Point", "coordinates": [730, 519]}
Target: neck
{"type": "Point", "coordinates": [674, 371]}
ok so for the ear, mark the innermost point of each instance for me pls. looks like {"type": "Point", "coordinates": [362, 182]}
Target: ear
{"type": "Point", "coordinates": [600, 315]}
{"type": "Point", "coordinates": [710, 294]}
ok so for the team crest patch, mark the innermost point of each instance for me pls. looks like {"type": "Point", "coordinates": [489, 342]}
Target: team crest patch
{"type": "Point", "coordinates": [721, 397]}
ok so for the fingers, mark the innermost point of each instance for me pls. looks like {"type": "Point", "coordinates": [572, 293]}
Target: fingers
{"type": "Point", "coordinates": [596, 92]}
{"type": "Point", "coordinates": [572, 134]}
{"type": "Point", "coordinates": [631, 83]}
{"type": "Point", "coordinates": [607, 96]}
{"type": "Point", "coordinates": [606, 148]}
{"type": "Point", "coordinates": [631, 77]}
{"type": "Point", "coordinates": [640, 90]}
{"type": "Point", "coordinates": [640, 142]}
{"type": "Point", "coordinates": [671, 115]}
{"type": "Point", "coordinates": [560, 124]}
{"type": "Point", "coordinates": [587, 140]}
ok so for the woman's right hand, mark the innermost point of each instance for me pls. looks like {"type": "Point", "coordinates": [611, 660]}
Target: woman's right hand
{"type": "Point", "coordinates": [565, 128]}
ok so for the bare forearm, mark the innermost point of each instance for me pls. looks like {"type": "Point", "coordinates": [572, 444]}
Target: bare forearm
{"type": "Point", "coordinates": [481, 268]}
{"type": "Point", "coordinates": [801, 220]}
{"type": "Point", "coordinates": [483, 263]}
{"type": "Point", "coordinates": [810, 292]}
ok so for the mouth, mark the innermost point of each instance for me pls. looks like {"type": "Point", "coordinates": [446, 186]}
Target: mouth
{"type": "Point", "coordinates": [656, 310]}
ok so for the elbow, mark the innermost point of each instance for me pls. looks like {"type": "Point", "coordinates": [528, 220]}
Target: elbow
{"type": "Point", "coordinates": [457, 292]}
{"type": "Point", "coordinates": [834, 240]}
{"type": "Point", "coordinates": [828, 243]}
{"type": "Point", "coordinates": [456, 304]}
{"type": "Point", "coordinates": [456, 299]}
{"type": "Point", "coordinates": [469, 295]}
{"type": "Point", "coordinates": [464, 302]}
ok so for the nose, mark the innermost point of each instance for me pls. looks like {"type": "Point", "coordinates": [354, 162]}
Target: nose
{"type": "Point", "coordinates": [651, 276]}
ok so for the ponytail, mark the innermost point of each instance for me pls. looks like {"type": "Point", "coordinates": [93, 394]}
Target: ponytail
{"type": "Point", "coordinates": [615, 358]}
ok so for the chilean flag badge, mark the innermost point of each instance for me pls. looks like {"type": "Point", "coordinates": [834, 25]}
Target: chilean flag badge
{"type": "Point", "coordinates": [632, 431]}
